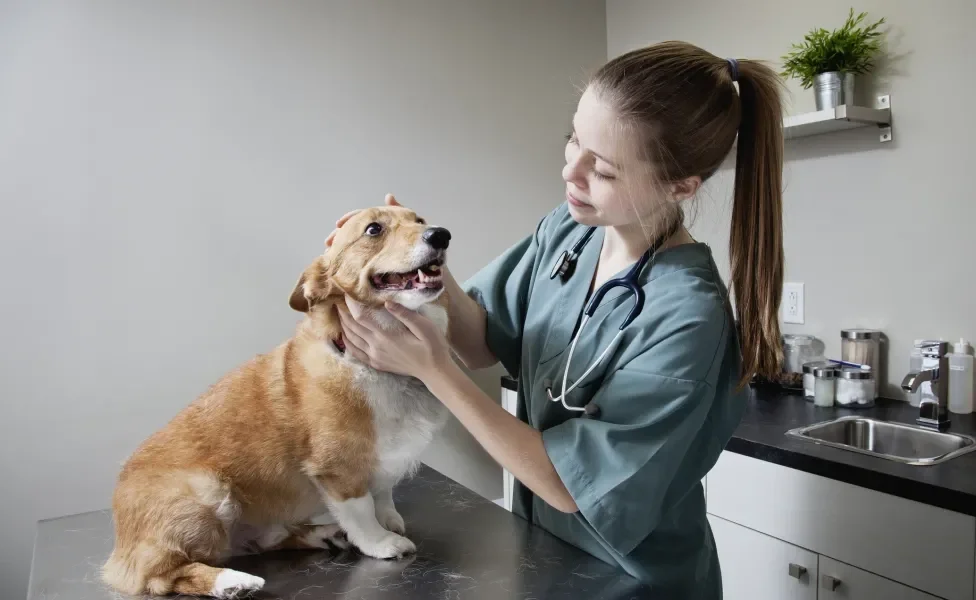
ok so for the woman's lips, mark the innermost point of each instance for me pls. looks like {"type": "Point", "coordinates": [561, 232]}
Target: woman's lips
{"type": "Point", "coordinates": [575, 201]}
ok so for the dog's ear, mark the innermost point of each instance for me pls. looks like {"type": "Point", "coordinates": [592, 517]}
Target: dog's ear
{"type": "Point", "coordinates": [313, 286]}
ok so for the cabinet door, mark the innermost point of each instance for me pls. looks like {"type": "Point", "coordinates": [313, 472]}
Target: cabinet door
{"type": "Point", "coordinates": [758, 567]}
{"type": "Point", "coordinates": [842, 581]}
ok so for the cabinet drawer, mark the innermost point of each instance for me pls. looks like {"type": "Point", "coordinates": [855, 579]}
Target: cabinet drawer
{"type": "Point", "coordinates": [927, 548]}
{"type": "Point", "coordinates": [757, 567]}
{"type": "Point", "coordinates": [839, 581]}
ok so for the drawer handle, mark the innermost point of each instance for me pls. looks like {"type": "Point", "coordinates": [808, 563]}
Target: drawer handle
{"type": "Point", "coordinates": [829, 583]}
{"type": "Point", "coordinates": [797, 571]}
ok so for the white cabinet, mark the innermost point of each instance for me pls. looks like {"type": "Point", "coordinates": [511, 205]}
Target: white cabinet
{"type": "Point", "coordinates": [839, 581]}
{"type": "Point", "coordinates": [918, 545]}
{"type": "Point", "coordinates": [756, 566]}
{"type": "Point", "coordinates": [877, 545]}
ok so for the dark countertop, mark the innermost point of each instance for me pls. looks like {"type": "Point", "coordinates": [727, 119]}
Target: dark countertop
{"type": "Point", "coordinates": [467, 548]}
{"type": "Point", "coordinates": [771, 413]}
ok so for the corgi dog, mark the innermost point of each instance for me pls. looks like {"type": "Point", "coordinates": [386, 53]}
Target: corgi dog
{"type": "Point", "coordinates": [303, 432]}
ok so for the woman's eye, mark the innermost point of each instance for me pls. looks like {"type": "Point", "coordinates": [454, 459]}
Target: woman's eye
{"type": "Point", "coordinates": [571, 137]}
{"type": "Point", "coordinates": [603, 176]}
{"type": "Point", "coordinates": [374, 229]}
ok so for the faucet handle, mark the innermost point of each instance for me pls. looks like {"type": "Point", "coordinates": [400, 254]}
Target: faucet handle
{"type": "Point", "coordinates": [934, 348]}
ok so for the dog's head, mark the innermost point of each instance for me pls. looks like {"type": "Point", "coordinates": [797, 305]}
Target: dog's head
{"type": "Point", "coordinates": [379, 255]}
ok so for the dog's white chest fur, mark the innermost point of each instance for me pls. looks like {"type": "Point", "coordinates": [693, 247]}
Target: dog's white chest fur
{"type": "Point", "coordinates": [406, 416]}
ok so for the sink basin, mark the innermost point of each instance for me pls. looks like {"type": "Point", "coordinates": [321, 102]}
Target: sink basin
{"type": "Point", "coordinates": [893, 441]}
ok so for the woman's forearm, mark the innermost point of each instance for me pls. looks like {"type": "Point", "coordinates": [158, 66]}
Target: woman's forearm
{"type": "Point", "coordinates": [513, 444]}
{"type": "Point", "coordinates": [466, 332]}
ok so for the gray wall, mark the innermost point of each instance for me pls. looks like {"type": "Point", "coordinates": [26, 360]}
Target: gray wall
{"type": "Point", "coordinates": [881, 234]}
{"type": "Point", "coordinates": [167, 169]}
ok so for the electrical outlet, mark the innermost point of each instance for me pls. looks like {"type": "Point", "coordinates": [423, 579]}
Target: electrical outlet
{"type": "Point", "coordinates": [792, 304]}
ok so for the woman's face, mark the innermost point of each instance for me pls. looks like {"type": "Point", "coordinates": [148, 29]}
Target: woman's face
{"type": "Point", "coordinates": [608, 183]}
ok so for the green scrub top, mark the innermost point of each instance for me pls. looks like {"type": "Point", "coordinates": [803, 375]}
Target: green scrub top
{"type": "Point", "coordinates": [666, 393]}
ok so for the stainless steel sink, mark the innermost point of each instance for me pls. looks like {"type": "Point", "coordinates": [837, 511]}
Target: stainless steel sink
{"type": "Point", "coordinates": [893, 441]}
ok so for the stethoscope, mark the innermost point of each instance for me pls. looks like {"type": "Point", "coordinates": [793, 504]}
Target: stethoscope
{"type": "Point", "coordinates": [564, 268]}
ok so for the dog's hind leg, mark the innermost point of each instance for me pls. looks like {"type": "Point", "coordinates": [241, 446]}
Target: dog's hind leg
{"type": "Point", "coordinates": [198, 579]}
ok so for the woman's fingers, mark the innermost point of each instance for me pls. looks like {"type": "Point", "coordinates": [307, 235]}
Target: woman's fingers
{"type": "Point", "coordinates": [354, 341]}
{"type": "Point", "coordinates": [342, 220]}
{"type": "Point", "coordinates": [359, 334]}
{"type": "Point", "coordinates": [389, 200]}
{"type": "Point", "coordinates": [358, 354]}
{"type": "Point", "coordinates": [414, 321]}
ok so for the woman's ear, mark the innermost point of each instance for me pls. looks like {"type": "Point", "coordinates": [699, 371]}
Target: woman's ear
{"type": "Point", "coordinates": [312, 287]}
{"type": "Point", "coordinates": [685, 188]}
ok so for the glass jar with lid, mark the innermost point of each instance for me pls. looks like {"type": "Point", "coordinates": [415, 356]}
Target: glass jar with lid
{"type": "Point", "coordinates": [855, 388]}
{"type": "Point", "coordinates": [797, 351]}
{"type": "Point", "coordinates": [809, 380]}
{"type": "Point", "coordinates": [863, 347]}
{"type": "Point", "coordinates": [824, 388]}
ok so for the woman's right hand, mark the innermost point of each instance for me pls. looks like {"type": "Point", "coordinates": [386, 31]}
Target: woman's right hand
{"type": "Point", "coordinates": [389, 201]}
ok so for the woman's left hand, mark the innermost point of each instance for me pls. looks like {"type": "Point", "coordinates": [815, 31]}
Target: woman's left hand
{"type": "Point", "coordinates": [418, 350]}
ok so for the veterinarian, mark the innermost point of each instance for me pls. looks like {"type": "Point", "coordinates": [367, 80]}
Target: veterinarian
{"type": "Point", "coordinates": [624, 483]}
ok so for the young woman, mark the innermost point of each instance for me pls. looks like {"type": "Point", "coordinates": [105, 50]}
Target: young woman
{"type": "Point", "coordinates": [622, 481]}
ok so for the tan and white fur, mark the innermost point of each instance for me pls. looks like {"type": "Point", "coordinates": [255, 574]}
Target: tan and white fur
{"type": "Point", "coordinates": [302, 432]}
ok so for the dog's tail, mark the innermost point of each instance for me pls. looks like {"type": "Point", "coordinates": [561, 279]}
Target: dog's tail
{"type": "Point", "coordinates": [128, 570]}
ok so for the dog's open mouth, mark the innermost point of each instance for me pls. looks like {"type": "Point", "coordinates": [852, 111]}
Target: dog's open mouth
{"type": "Point", "coordinates": [426, 278]}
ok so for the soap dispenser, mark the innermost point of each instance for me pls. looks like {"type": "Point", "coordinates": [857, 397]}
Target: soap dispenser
{"type": "Point", "coordinates": [961, 378]}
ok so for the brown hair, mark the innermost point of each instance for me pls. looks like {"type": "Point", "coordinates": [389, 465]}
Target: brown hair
{"type": "Point", "coordinates": [684, 101]}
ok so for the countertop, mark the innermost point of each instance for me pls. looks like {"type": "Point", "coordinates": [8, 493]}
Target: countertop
{"type": "Point", "coordinates": [467, 548]}
{"type": "Point", "coordinates": [772, 412]}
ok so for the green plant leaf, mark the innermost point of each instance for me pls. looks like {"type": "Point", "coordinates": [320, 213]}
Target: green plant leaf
{"type": "Point", "coordinates": [848, 49]}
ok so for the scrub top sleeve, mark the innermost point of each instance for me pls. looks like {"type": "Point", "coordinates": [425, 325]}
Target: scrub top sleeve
{"type": "Point", "coordinates": [502, 289]}
{"type": "Point", "coordinates": [620, 473]}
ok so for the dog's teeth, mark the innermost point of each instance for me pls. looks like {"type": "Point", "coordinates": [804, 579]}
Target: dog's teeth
{"type": "Point", "coordinates": [434, 268]}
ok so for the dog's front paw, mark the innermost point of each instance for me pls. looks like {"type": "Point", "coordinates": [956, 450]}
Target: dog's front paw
{"type": "Point", "coordinates": [392, 545]}
{"type": "Point", "coordinates": [391, 520]}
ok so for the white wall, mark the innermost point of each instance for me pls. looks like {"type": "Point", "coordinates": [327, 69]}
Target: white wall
{"type": "Point", "coordinates": [881, 234]}
{"type": "Point", "coordinates": [167, 169]}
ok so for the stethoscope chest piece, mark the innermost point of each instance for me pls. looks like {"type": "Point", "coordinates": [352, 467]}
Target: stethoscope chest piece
{"type": "Point", "coordinates": [566, 263]}
{"type": "Point", "coordinates": [591, 411]}
{"type": "Point", "coordinates": [564, 267]}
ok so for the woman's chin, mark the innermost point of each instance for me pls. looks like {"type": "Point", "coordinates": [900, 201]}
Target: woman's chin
{"type": "Point", "coordinates": [584, 214]}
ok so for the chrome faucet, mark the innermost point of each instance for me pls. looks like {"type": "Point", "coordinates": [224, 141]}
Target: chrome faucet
{"type": "Point", "coordinates": [933, 410]}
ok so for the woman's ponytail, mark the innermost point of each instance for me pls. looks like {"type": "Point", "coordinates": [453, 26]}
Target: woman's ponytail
{"type": "Point", "coordinates": [756, 239]}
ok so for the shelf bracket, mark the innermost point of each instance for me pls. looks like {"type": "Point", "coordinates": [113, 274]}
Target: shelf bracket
{"type": "Point", "coordinates": [884, 130]}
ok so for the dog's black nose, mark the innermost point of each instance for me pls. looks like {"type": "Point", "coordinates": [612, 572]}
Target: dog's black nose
{"type": "Point", "coordinates": [438, 237]}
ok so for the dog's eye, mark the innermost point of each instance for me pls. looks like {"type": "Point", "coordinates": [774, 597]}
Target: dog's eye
{"type": "Point", "coordinates": [421, 221]}
{"type": "Point", "coordinates": [374, 229]}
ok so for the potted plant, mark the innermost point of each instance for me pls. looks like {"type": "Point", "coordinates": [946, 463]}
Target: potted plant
{"type": "Point", "coordinates": [829, 60]}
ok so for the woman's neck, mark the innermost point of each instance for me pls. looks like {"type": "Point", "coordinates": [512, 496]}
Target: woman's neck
{"type": "Point", "coordinates": [622, 246]}
{"type": "Point", "coordinates": [626, 243]}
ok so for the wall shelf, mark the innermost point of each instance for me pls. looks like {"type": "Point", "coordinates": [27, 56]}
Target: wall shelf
{"type": "Point", "coordinates": [840, 118]}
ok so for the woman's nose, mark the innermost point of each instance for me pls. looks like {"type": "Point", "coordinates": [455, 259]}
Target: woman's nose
{"type": "Point", "coordinates": [573, 173]}
{"type": "Point", "coordinates": [438, 238]}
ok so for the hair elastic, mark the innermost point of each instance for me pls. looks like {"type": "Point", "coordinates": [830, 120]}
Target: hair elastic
{"type": "Point", "coordinates": [734, 68]}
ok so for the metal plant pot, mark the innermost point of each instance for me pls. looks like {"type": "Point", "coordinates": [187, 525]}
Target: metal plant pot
{"type": "Point", "coordinates": [833, 89]}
